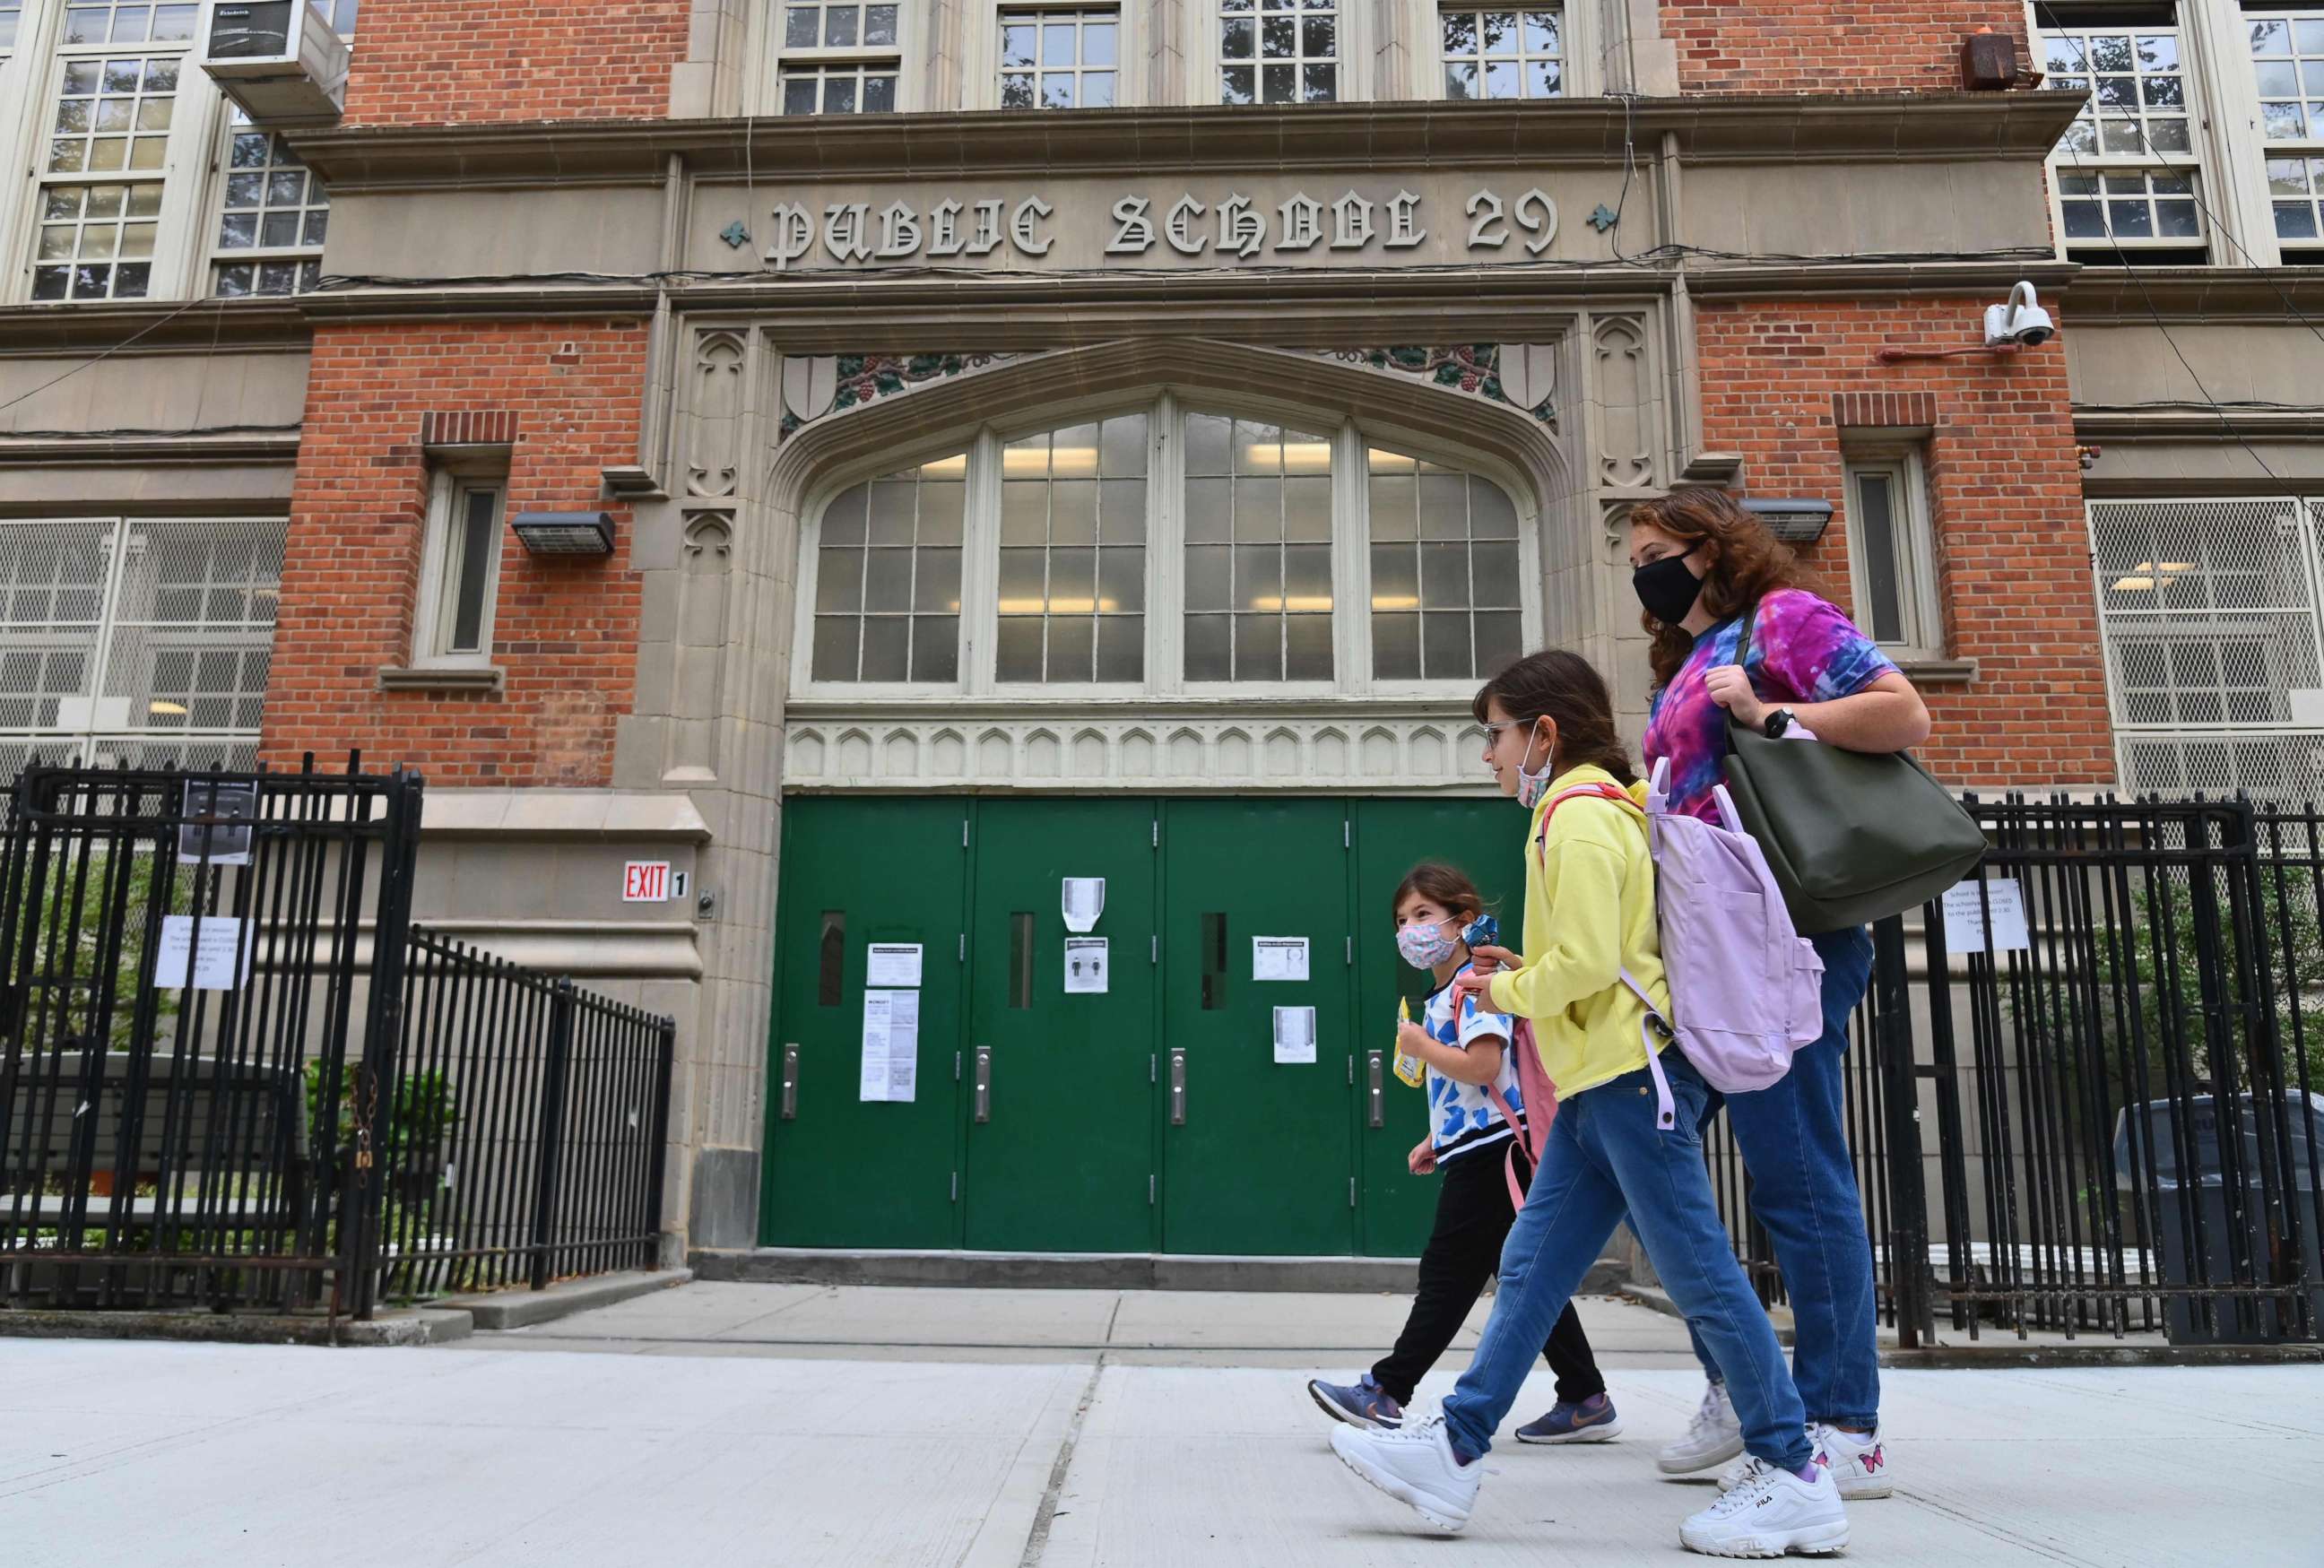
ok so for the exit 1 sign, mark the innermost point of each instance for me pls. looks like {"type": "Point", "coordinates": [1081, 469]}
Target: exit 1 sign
{"type": "Point", "coordinates": [651, 882]}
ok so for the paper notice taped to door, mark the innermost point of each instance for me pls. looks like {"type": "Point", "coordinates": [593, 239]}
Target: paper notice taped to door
{"type": "Point", "coordinates": [1295, 1034]}
{"type": "Point", "coordinates": [1967, 905]}
{"type": "Point", "coordinates": [891, 1045]}
{"type": "Point", "coordinates": [1279, 958]}
{"type": "Point", "coordinates": [1084, 903]}
{"type": "Point", "coordinates": [1085, 965]}
{"type": "Point", "coordinates": [891, 963]}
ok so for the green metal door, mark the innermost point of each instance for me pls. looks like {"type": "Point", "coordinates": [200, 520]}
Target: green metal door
{"type": "Point", "coordinates": [1257, 1153]}
{"type": "Point", "coordinates": [1061, 1073]}
{"type": "Point", "coordinates": [1486, 839]}
{"type": "Point", "coordinates": [841, 1170]}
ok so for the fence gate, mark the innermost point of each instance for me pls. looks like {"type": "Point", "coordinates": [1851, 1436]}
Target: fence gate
{"type": "Point", "coordinates": [2212, 613]}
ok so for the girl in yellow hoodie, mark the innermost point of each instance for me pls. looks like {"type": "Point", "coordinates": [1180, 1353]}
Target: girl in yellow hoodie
{"type": "Point", "coordinates": [1615, 1149]}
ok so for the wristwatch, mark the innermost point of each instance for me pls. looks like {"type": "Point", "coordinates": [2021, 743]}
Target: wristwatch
{"type": "Point", "coordinates": [1778, 720]}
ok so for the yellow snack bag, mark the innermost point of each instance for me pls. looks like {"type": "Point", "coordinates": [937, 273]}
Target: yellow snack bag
{"type": "Point", "coordinates": [1411, 1069]}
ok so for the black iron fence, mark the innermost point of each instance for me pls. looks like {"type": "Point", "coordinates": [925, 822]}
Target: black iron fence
{"type": "Point", "coordinates": [2104, 1111]}
{"type": "Point", "coordinates": [234, 1074]}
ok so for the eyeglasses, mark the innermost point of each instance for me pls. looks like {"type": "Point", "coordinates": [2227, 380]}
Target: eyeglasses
{"type": "Point", "coordinates": [1493, 732]}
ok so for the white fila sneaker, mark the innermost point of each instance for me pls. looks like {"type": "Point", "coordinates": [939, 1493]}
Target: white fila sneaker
{"type": "Point", "coordinates": [1769, 1513]}
{"type": "Point", "coordinates": [1415, 1465]}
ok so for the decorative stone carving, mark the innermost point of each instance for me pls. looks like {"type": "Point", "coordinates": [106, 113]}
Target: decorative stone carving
{"type": "Point", "coordinates": [715, 401]}
{"type": "Point", "coordinates": [1317, 751]}
{"type": "Point", "coordinates": [1624, 394]}
{"type": "Point", "coordinates": [834, 383]}
{"type": "Point", "coordinates": [698, 669]}
{"type": "Point", "coordinates": [1524, 376]}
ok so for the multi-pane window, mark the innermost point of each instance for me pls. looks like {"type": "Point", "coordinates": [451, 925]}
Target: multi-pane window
{"type": "Point", "coordinates": [111, 116]}
{"type": "Point", "coordinates": [1073, 555]}
{"type": "Point", "coordinates": [137, 641]}
{"type": "Point", "coordinates": [2126, 168]}
{"type": "Point", "coordinates": [119, 22]}
{"type": "Point", "coordinates": [1258, 551]}
{"type": "Point", "coordinates": [1060, 59]}
{"type": "Point", "coordinates": [1168, 548]}
{"type": "Point", "coordinates": [273, 218]}
{"type": "Point", "coordinates": [339, 14]}
{"type": "Point", "coordinates": [887, 589]}
{"type": "Point", "coordinates": [1445, 572]}
{"type": "Point", "coordinates": [1503, 52]}
{"type": "Point", "coordinates": [840, 57]}
{"type": "Point", "coordinates": [2288, 72]}
{"type": "Point", "coordinates": [1278, 51]}
{"type": "Point", "coordinates": [96, 242]}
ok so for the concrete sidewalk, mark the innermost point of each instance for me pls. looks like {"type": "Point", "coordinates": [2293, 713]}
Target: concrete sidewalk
{"type": "Point", "coordinates": [902, 1428]}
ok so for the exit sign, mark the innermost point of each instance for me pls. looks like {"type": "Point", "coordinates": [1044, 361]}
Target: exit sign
{"type": "Point", "coordinates": [645, 881]}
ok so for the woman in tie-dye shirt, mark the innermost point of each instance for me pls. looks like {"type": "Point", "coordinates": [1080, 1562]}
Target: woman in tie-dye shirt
{"type": "Point", "coordinates": [1700, 562]}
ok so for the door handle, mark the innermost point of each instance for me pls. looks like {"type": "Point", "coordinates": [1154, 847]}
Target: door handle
{"type": "Point", "coordinates": [790, 1083]}
{"type": "Point", "coordinates": [1376, 1112]}
{"type": "Point", "coordinates": [1177, 1086]}
{"type": "Point", "coordinates": [984, 1082]}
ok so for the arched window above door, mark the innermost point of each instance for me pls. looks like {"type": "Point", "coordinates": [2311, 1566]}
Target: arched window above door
{"type": "Point", "coordinates": [1168, 548]}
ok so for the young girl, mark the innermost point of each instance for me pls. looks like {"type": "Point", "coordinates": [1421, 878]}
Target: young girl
{"type": "Point", "coordinates": [1465, 1050]}
{"type": "Point", "coordinates": [1626, 1143]}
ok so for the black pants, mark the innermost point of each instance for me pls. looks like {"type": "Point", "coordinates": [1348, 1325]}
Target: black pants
{"type": "Point", "coordinates": [1473, 1216]}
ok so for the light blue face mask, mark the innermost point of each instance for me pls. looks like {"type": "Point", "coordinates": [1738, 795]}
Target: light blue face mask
{"type": "Point", "coordinates": [1424, 946]}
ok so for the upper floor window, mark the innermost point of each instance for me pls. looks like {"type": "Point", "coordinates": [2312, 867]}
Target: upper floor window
{"type": "Point", "coordinates": [112, 22]}
{"type": "Point", "coordinates": [2126, 171]}
{"type": "Point", "coordinates": [1503, 51]}
{"type": "Point", "coordinates": [459, 569]}
{"type": "Point", "coordinates": [840, 57]}
{"type": "Point", "coordinates": [1278, 51]}
{"type": "Point", "coordinates": [1068, 59]}
{"type": "Point", "coordinates": [2287, 52]}
{"type": "Point", "coordinates": [98, 221]}
{"type": "Point", "coordinates": [273, 219]}
{"type": "Point", "coordinates": [1892, 553]}
{"type": "Point", "coordinates": [339, 14]}
{"type": "Point", "coordinates": [1167, 547]}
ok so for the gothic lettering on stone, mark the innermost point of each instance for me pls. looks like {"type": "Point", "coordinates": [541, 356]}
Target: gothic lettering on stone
{"type": "Point", "coordinates": [1185, 225]}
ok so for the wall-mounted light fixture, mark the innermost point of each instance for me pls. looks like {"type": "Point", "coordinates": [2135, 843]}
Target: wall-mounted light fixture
{"type": "Point", "coordinates": [1799, 520]}
{"type": "Point", "coordinates": [565, 534]}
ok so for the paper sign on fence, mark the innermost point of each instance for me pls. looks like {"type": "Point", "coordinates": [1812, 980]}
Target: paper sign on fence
{"type": "Point", "coordinates": [222, 964]}
{"type": "Point", "coordinates": [1965, 917]}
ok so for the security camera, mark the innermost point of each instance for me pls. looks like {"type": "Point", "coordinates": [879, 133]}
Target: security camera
{"type": "Point", "coordinates": [2020, 321]}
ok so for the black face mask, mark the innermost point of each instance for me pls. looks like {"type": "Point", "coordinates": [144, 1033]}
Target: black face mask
{"type": "Point", "coordinates": [1666, 588]}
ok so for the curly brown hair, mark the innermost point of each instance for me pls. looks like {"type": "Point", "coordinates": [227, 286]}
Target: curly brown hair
{"type": "Point", "coordinates": [1747, 563]}
{"type": "Point", "coordinates": [1445, 886]}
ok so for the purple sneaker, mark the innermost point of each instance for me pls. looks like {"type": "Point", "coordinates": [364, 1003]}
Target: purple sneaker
{"type": "Point", "coordinates": [1591, 1421]}
{"type": "Point", "coordinates": [1363, 1402]}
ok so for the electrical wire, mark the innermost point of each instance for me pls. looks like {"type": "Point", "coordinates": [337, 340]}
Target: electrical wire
{"type": "Point", "coordinates": [90, 363]}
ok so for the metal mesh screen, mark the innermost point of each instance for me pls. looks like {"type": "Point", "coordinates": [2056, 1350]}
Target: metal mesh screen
{"type": "Point", "coordinates": [2214, 644]}
{"type": "Point", "coordinates": [136, 642]}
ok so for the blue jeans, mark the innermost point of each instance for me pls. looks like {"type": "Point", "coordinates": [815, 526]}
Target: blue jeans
{"type": "Point", "coordinates": [1606, 1157]}
{"type": "Point", "coordinates": [1793, 1138]}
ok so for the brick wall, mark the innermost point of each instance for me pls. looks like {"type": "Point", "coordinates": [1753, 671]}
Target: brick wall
{"type": "Point", "coordinates": [564, 632]}
{"type": "Point", "coordinates": [428, 62]}
{"type": "Point", "coordinates": [1827, 46]}
{"type": "Point", "coordinates": [2005, 498]}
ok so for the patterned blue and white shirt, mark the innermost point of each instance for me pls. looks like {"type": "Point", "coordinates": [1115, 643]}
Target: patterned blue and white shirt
{"type": "Point", "coordinates": [1459, 1116]}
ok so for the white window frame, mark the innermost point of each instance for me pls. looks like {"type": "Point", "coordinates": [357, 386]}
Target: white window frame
{"type": "Point", "coordinates": [215, 253]}
{"type": "Point", "coordinates": [1166, 411]}
{"type": "Point", "coordinates": [2098, 162]}
{"type": "Point", "coordinates": [910, 53]}
{"type": "Point", "coordinates": [1919, 601]}
{"type": "Point", "coordinates": [1440, 87]}
{"type": "Point", "coordinates": [106, 646]}
{"type": "Point", "coordinates": [436, 604]}
{"type": "Point", "coordinates": [981, 51]}
{"type": "Point", "coordinates": [2310, 147]}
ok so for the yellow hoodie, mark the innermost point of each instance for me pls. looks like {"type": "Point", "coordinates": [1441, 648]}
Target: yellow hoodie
{"type": "Point", "coordinates": [1588, 915]}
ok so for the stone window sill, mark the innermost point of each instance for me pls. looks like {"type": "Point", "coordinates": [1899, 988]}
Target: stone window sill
{"type": "Point", "coordinates": [1939, 671]}
{"type": "Point", "coordinates": [478, 679]}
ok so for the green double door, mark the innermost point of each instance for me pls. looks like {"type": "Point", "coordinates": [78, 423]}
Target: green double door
{"type": "Point", "coordinates": [1204, 1069]}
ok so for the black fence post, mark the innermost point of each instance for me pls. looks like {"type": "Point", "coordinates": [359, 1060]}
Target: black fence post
{"type": "Point", "coordinates": [552, 1127]}
{"type": "Point", "coordinates": [659, 1163]}
{"type": "Point", "coordinates": [1900, 1093]}
{"type": "Point", "coordinates": [375, 1077]}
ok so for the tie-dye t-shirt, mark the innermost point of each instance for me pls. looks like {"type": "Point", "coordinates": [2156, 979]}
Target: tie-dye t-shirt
{"type": "Point", "coordinates": [1802, 649]}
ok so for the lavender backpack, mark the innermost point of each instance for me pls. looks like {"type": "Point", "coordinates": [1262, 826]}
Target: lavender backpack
{"type": "Point", "coordinates": [1746, 989]}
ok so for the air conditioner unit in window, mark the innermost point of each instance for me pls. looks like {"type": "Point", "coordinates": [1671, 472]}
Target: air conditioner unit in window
{"type": "Point", "coordinates": [279, 59]}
